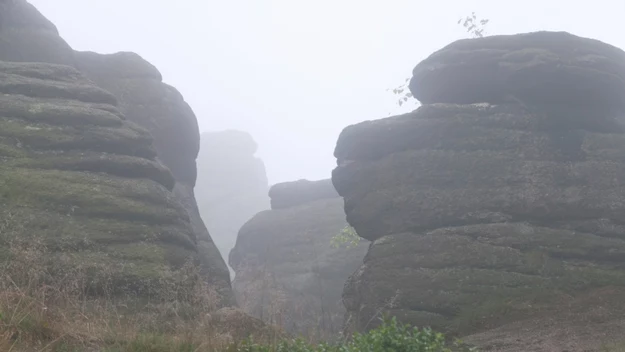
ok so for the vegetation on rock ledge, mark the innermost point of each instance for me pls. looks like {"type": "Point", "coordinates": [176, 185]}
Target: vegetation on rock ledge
{"type": "Point", "coordinates": [347, 237]}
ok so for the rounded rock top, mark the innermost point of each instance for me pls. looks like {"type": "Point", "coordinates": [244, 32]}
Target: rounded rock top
{"type": "Point", "coordinates": [532, 68]}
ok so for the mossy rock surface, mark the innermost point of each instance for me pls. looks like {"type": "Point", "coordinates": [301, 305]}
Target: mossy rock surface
{"type": "Point", "coordinates": [79, 178]}
{"type": "Point", "coordinates": [160, 109]}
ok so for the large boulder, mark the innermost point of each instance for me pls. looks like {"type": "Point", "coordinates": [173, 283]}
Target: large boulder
{"type": "Point", "coordinates": [536, 68]}
{"type": "Point", "coordinates": [287, 270]}
{"type": "Point", "coordinates": [484, 211]}
{"type": "Point", "coordinates": [83, 184]}
{"type": "Point", "coordinates": [161, 109]}
{"type": "Point", "coordinates": [232, 185]}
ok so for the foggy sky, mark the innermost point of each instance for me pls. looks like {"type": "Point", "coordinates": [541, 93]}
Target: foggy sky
{"type": "Point", "coordinates": [294, 73]}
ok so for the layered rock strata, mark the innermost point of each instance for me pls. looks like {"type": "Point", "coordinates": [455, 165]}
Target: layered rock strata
{"type": "Point", "coordinates": [161, 109]}
{"type": "Point", "coordinates": [500, 198]}
{"type": "Point", "coordinates": [83, 182]}
{"type": "Point", "coordinates": [141, 96]}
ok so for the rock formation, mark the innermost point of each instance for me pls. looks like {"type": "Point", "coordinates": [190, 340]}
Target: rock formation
{"type": "Point", "coordinates": [83, 181]}
{"type": "Point", "coordinates": [161, 109]}
{"type": "Point", "coordinates": [287, 271]}
{"type": "Point", "coordinates": [232, 185]}
{"type": "Point", "coordinates": [500, 199]}
{"type": "Point", "coordinates": [26, 36]}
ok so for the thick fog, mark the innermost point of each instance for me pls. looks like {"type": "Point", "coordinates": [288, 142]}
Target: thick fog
{"type": "Point", "coordinates": [293, 73]}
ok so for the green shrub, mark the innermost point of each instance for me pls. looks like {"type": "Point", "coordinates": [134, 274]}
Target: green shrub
{"type": "Point", "coordinates": [390, 336]}
{"type": "Point", "coordinates": [347, 237]}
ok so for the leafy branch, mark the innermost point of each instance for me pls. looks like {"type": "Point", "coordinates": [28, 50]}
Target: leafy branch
{"type": "Point", "coordinates": [347, 237]}
{"type": "Point", "coordinates": [474, 26]}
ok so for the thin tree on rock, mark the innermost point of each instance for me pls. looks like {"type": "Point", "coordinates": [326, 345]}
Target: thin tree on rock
{"type": "Point", "coordinates": [476, 29]}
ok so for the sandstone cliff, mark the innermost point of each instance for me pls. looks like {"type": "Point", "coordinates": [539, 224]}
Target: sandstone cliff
{"type": "Point", "coordinates": [500, 199]}
{"type": "Point", "coordinates": [26, 36]}
{"type": "Point", "coordinates": [287, 271]}
{"type": "Point", "coordinates": [232, 185]}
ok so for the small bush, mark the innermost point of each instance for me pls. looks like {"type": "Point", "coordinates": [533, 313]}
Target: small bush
{"type": "Point", "coordinates": [348, 237]}
{"type": "Point", "coordinates": [390, 336]}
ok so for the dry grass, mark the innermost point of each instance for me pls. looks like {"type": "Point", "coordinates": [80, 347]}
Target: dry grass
{"type": "Point", "coordinates": [263, 295]}
{"type": "Point", "coordinates": [46, 306]}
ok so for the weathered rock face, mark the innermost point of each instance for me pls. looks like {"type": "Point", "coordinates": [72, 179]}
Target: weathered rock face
{"type": "Point", "coordinates": [287, 271]}
{"type": "Point", "coordinates": [546, 68]}
{"type": "Point", "coordinates": [79, 178]}
{"type": "Point", "coordinates": [484, 214]}
{"type": "Point", "coordinates": [161, 109]}
{"type": "Point", "coordinates": [26, 35]}
{"type": "Point", "coordinates": [232, 185]}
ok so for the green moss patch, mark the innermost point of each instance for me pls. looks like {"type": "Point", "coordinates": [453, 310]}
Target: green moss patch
{"type": "Point", "coordinates": [89, 194]}
{"type": "Point", "coordinates": [123, 140]}
{"type": "Point", "coordinates": [117, 165]}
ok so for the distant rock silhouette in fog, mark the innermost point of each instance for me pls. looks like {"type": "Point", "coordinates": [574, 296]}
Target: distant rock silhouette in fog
{"type": "Point", "coordinates": [232, 185]}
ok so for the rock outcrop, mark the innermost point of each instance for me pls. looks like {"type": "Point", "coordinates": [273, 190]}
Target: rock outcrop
{"type": "Point", "coordinates": [27, 36]}
{"type": "Point", "coordinates": [82, 181]}
{"type": "Point", "coordinates": [500, 198]}
{"type": "Point", "coordinates": [287, 271]}
{"type": "Point", "coordinates": [232, 185]}
{"type": "Point", "coordinates": [161, 109]}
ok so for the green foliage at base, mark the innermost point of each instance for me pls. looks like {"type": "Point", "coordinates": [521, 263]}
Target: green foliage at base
{"type": "Point", "coordinates": [390, 336]}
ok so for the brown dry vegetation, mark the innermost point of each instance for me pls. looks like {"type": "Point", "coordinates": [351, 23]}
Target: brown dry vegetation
{"type": "Point", "coordinates": [47, 306]}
